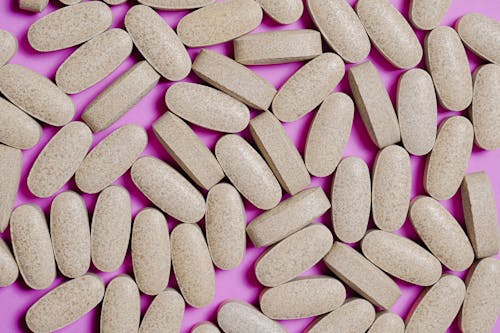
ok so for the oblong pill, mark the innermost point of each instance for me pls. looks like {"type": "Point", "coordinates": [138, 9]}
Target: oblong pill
{"type": "Point", "coordinates": [241, 317]}
{"type": "Point", "coordinates": [32, 246]}
{"type": "Point", "coordinates": [248, 171]}
{"type": "Point", "coordinates": [302, 298]}
{"type": "Point", "coordinates": [36, 95]}
{"type": "Point", "coordinates": [69, 26]}
{"type": "Point", "coordinates": [74, 2]}
{"type": "Point", "coordinates": [17, 129]}
{"type": "Point", "coordinates": [293, 255]}
{"type": "Point", "coordinates": [308, 87]}
{"type": "Point", "coordinates": [8, 46]}
{"type": "Point", "coordinates": [280, 152]}
{"type": "Point", "coordinates": [150, 247]}
{"type": "Point", "coordinates": [427, 14]}
{"type": "Point", "coordinates": [447, 63]}
{"type": "Point", "coordinates": [176, 4]}
{"type": "Point", "coordinates": [283, 11]}
{"type": "Point", "coordinates": [205, 327]}
{"type": "Point", "coordinates": [10, 176]}
{"type": "Point", "coordinates": [164, 314]}
{"type": "Point", "coordinates": [193, 265]}
{"type": "Point", "coordinates": [158, 43]}
{"type": "Point", "coordinates": [448, 160]}
{"type": "Point", "coordinates": [387, 322]}
{"type": "Point", "coordinates": [33, 5]}
{"type": "Point", "coordinates": [401, 257]}
{"type": "Point", "coordinates": [121, 308]}
{"type": "Point", "coordinates": [481, 34]}
{"type": "Point", "coordinates": [8, 266]}
{"type": "Point", "coordinates": [168, 189]}
{"type": "Point", "coordinates": [65, 304]}
{"type": "Point", "coordinates": [59, 159]}
{"type": "Point", "coordinates": [288, 217]}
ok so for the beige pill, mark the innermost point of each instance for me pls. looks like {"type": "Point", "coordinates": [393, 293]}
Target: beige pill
{"type": "Point", "coordinates": [205, 327]}
{"type": "Point", "coordinates": [10, 175]}
{"type": "Point", "coordinates": [176, 4]}
{"type": "Point", "coordinates": [374, 104]}
{"type": "Point", "coordinates": [8, 266]}
{"type": "Point", "coordinates": [427, 14]}
{"type": "Point", "coordinates": [481, 34]}
{"type": "Point", "coordinates": [225, 223]}
{"type": "Point", "coordinates": [288, 217]}
{"type": "Point", "coordinates": [192, 265]}
{"type": "Point", "coordinates": [73, 2]}
{"type": "Point", "coordinates": [417, 111]}
{"type": "Point", "coordinates": [33, 5]}
{"type": "Point", "coordinates": [328, 134]}
{"type": "Point", "coordinates": [164, 314]}
{"type": "Point", "coordinates": [302, 298]}
{"type": "Point", "coordinates": [93, 61]}
{"type": "Point", "coordinates": [341, 28]}
{"type": "Point", "coordinates": [308, 87]}
{"type": "Point", "coordinates": [168, 189]}
{"type": "Point", "coordinates": [158, 43]}
{"type": "Point", "coordinates": [36, 95]}
{"type": "Point", "coordinates": [480, 214]}
{"type": "Point", "coordinates": [32, 246]}
{"type": "Point", "coordinates": [70, 26]}
{"type": "Point", "coordinates": [280, 152]}
{"type": "Point", "coordinates": [387, 322]}
{"type": "Point", "coordinates": [121, 308]}
{"type": "Point", "coordinates": [17, 129]}
{"type": "Point", "coordinates": [277, 47]}
{"type": "Point", "coordinates": [70, 234]}
{"type": "Point", "coordinates": [59, 159]}
{"type": "Point", "coordinates": [8, 46]}
{"type": "Point", "coordinates": [446, 164]}
{"type": "Point", "coordinates": [65, 304]}
{"type": "Point", "coordinates": [283, 11]}
{"type": "Point", "coordinates": [150, 246]}
{"type": "Point", "coordinates": [190, 153]}
{"type": "Point", "coordinates": [241, 317]}
{"type": "Point", "coordinates": [293, 255]}
{"type": "Point", "coordinates": [447, 63]}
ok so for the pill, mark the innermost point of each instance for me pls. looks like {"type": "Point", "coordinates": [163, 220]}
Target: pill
{"type": "Point", "coordinates": [417, 111]}
{"type": "Point", "coordinates": [219, 22]}
{"type": "Point", "coordinates": [401, 257]}
{"type": "Point", "coordinates": [158, 43]}
{"type": "Point", "coordinates": [277, 47]}
{"type": "Point", "coordinates": [176, 4]}
{"type": "Point", "coordinates": [328, 134]}
{"type": "Point", "coordinates": [8, 46]}
{"type": "Point", "coordinates": [8, 266]}
{"type": "Point", "coordinates": [480, 214]}
{"type": "Point", "coordinates": [150, 246]}
{"type": "Point", "coordinates": [10, 176]}
{"type": "Point", "coordinates": [302, 298]}
{"type": "Point", "coordinates": [33, 5]}
{"type": "Point", "coordinates": [74, 2]}
{"type": "Point", "coordinates": [481, 34]}
{"type": "Point", "coordinates": [293, 255]}
{"type": "Point", "coordinates": [205, 327]}
{"type": "Point", "coordinates": [121, 308]}
{"type": "Point", "coordinates": [248, 171]}
{"type": "Point", "coordinates": [387, 322]}
{"type": "Point", "coordinates": [70, 234]}
{"type": "Point", "coordinates": [283, 11]}
{"type": "Point", "coordinates": [192, 265]}
{"type": "Point", "coordinates": [70, 26]}
{"type": "Point", "coordinates": [279, 152]}
{"type": "Point", "coordinates": [288, 217]}
{"type": "Point", "coordinates": [341, 28]}
{"type": "Point", "coordinates": [190, 153]}
{"type": "Point", "coordinates": [93, 61]}
{"type": "Point", "coordinates": [111, 158]}
{"type": "Point", "coordinates": [374, 104]}
{"type": "Point", "coordinates": [234, 79]}
{"type": "Point", "coordinates": [164, 314]}
{"type": "Point", "coordinates": [17, 129]}
{"type": "Point", "coordinates": [446, 164]}
{"type": "Point", "coordinates": [241, 317]}
{"type": "Point", "coordinates": [36, 95]}
{"type": "Point", "coordinates": [32, 246]}
{"type": "Point", "coordinates": [225, 223]}
{"type": "Point", "coordinates": [437, 306]}
{"type": "Point", "coordinates": [356, 315]}
{"type": "Point", "coordinates": [428, 14]}
{"type": "Point", "coordinates": [59, 159]}
{"type": "Point", "coordinates": [447, 63]}
{"type": "Point", "coordinates": [482, 297]}
{"type": "Point", "coordinates": [308, 87]}
{"type": "Point", "coordinates": [168, 189]}
{"type": "Point", "coordinates": [65, 304]}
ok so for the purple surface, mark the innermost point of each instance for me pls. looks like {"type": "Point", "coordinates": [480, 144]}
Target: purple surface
{"type": "Point", "coordinates": [240, 283]}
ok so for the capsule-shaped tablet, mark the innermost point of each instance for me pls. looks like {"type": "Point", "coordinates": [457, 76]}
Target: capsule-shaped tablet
{"type": "Point", "coordinates": [17, 129]}
{"type": "Point", "coordinates": [308, 87]}
{"type": "Point", "coordinates": [374, 104]}
{"type": "Point", "coordinates": [10, 176]}
{"type": "Point", "coordinates": [36, 6]}
{"type": "Point", "coordinates": [8, 266]}
{"type": "Point", "coordinates": [446, 164]}
{"type": "Point", "coordinates": [70, 26]}
{"type": "Point", "coordinates": [387, 322]}
{"type": "Point", "coordinates": [190, 153]}
{"type": "Point", "coordinates": [192, 265]}
{"type": "Point", "coordinates": [293, 255]}
{"type": "Point", "coordinates": [205, 327]}
{"type": "Point", "coordinates": [168, 189]}
{"type": "Point", "coordinates": [158, 43]}
{"type": "Point", "coordinates": [121, 308]}
{"type": "Point", "coordinates": [428, 14]}
{"type": "Point", "coordinates": [447, 63]}
{"type": "Point", "coordinates": [74, 2]}
{"type": "Point", "coordinates": [150, 248]}
{"type": "Point", "coordinates": [36, 95]}
{"type": "Point", "coordinates": [65, 304]}
{"type": "Point", "coordinates": [176, 4]}
{"type": "Point", "coordinates": [240, 317]}
{"type": "Point", "coordinates": [32, 246]}
{"type": "Point", "coordinates": [283, 11]}
{"type": "Point", "coordinates": [164, 314]}
{"type": "Point", "coordinates": [481, 34]}
{"type": "Point", "coordinates": [59, 159]}
{"type": "Point", "coordinates": [280, 152]}
{"type": "Point", "coordinates": [8, 46]}
{"type": "Point", "coordinates": [114, 2]}
{"type": "Point", "coordinates": [401, 257]}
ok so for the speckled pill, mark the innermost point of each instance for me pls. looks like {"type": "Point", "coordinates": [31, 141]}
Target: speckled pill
{"type": "Point", "coordinates": [205, 327]}
{"type": "Point", "coordinates": [121, 306]}
{"type": "Point", "coordinates": [241, 317]}
{"type": "Point", "coordinates": [36, 6]}
{"type": "Point", "coordinates": [283, 11]}
{"type": "Point", "coordinates": [114, 2]}
{"type": "Point", "coordinates": [8, 266]}
{"type": "Point", "coordinates": [74, 2]}
{"type": "Point", "coordinates": [164, 314]}
{"type": "Point", "coordinates": [17, 129]}
{"type": "Point", "coordinates": [8, 46]}
{"type": "Point", "coordinates": [481, 34]}
{"type": "Point", "coordinates": [176, 4]}
{"type": "Point", "coordinates": [10, 176]}
{"type": "Point", "coordinates": [387, 322]}
{"type": "Point", "coordinates": [428, 14]}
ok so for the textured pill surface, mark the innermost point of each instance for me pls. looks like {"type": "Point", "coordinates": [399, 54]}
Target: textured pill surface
{"type": "Point", "coordinates": [428, 14]}
{"type": "Point", "coordinates": [176, 4]}
{"type": "Point", "coordinates": [8, 46]}
{"type": "Point", "coordinates": [387, 322]}
{"type": "Point", "coordinates": [481, 34]}
{"type": "Point", "coordinates": [164, 314]}
{"type": "Point", "coordinates": [8, 266]}
{"type": "Point", "coordinates": [33, 5]}
{"type": "Point", "coordinates": [283, 11]}
{"type": "Point", "coordinates": [205, 327]}
{"type": "Point", "coordinates": [10, 176]}
{"type": "Point", "coordinates": [240, 317]}
{"type": "Point", "coordinates": [17, 129]}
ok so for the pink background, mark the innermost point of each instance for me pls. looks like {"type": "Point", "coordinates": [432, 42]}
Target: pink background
{"type": "Point", "coordinates": [239, 283]}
